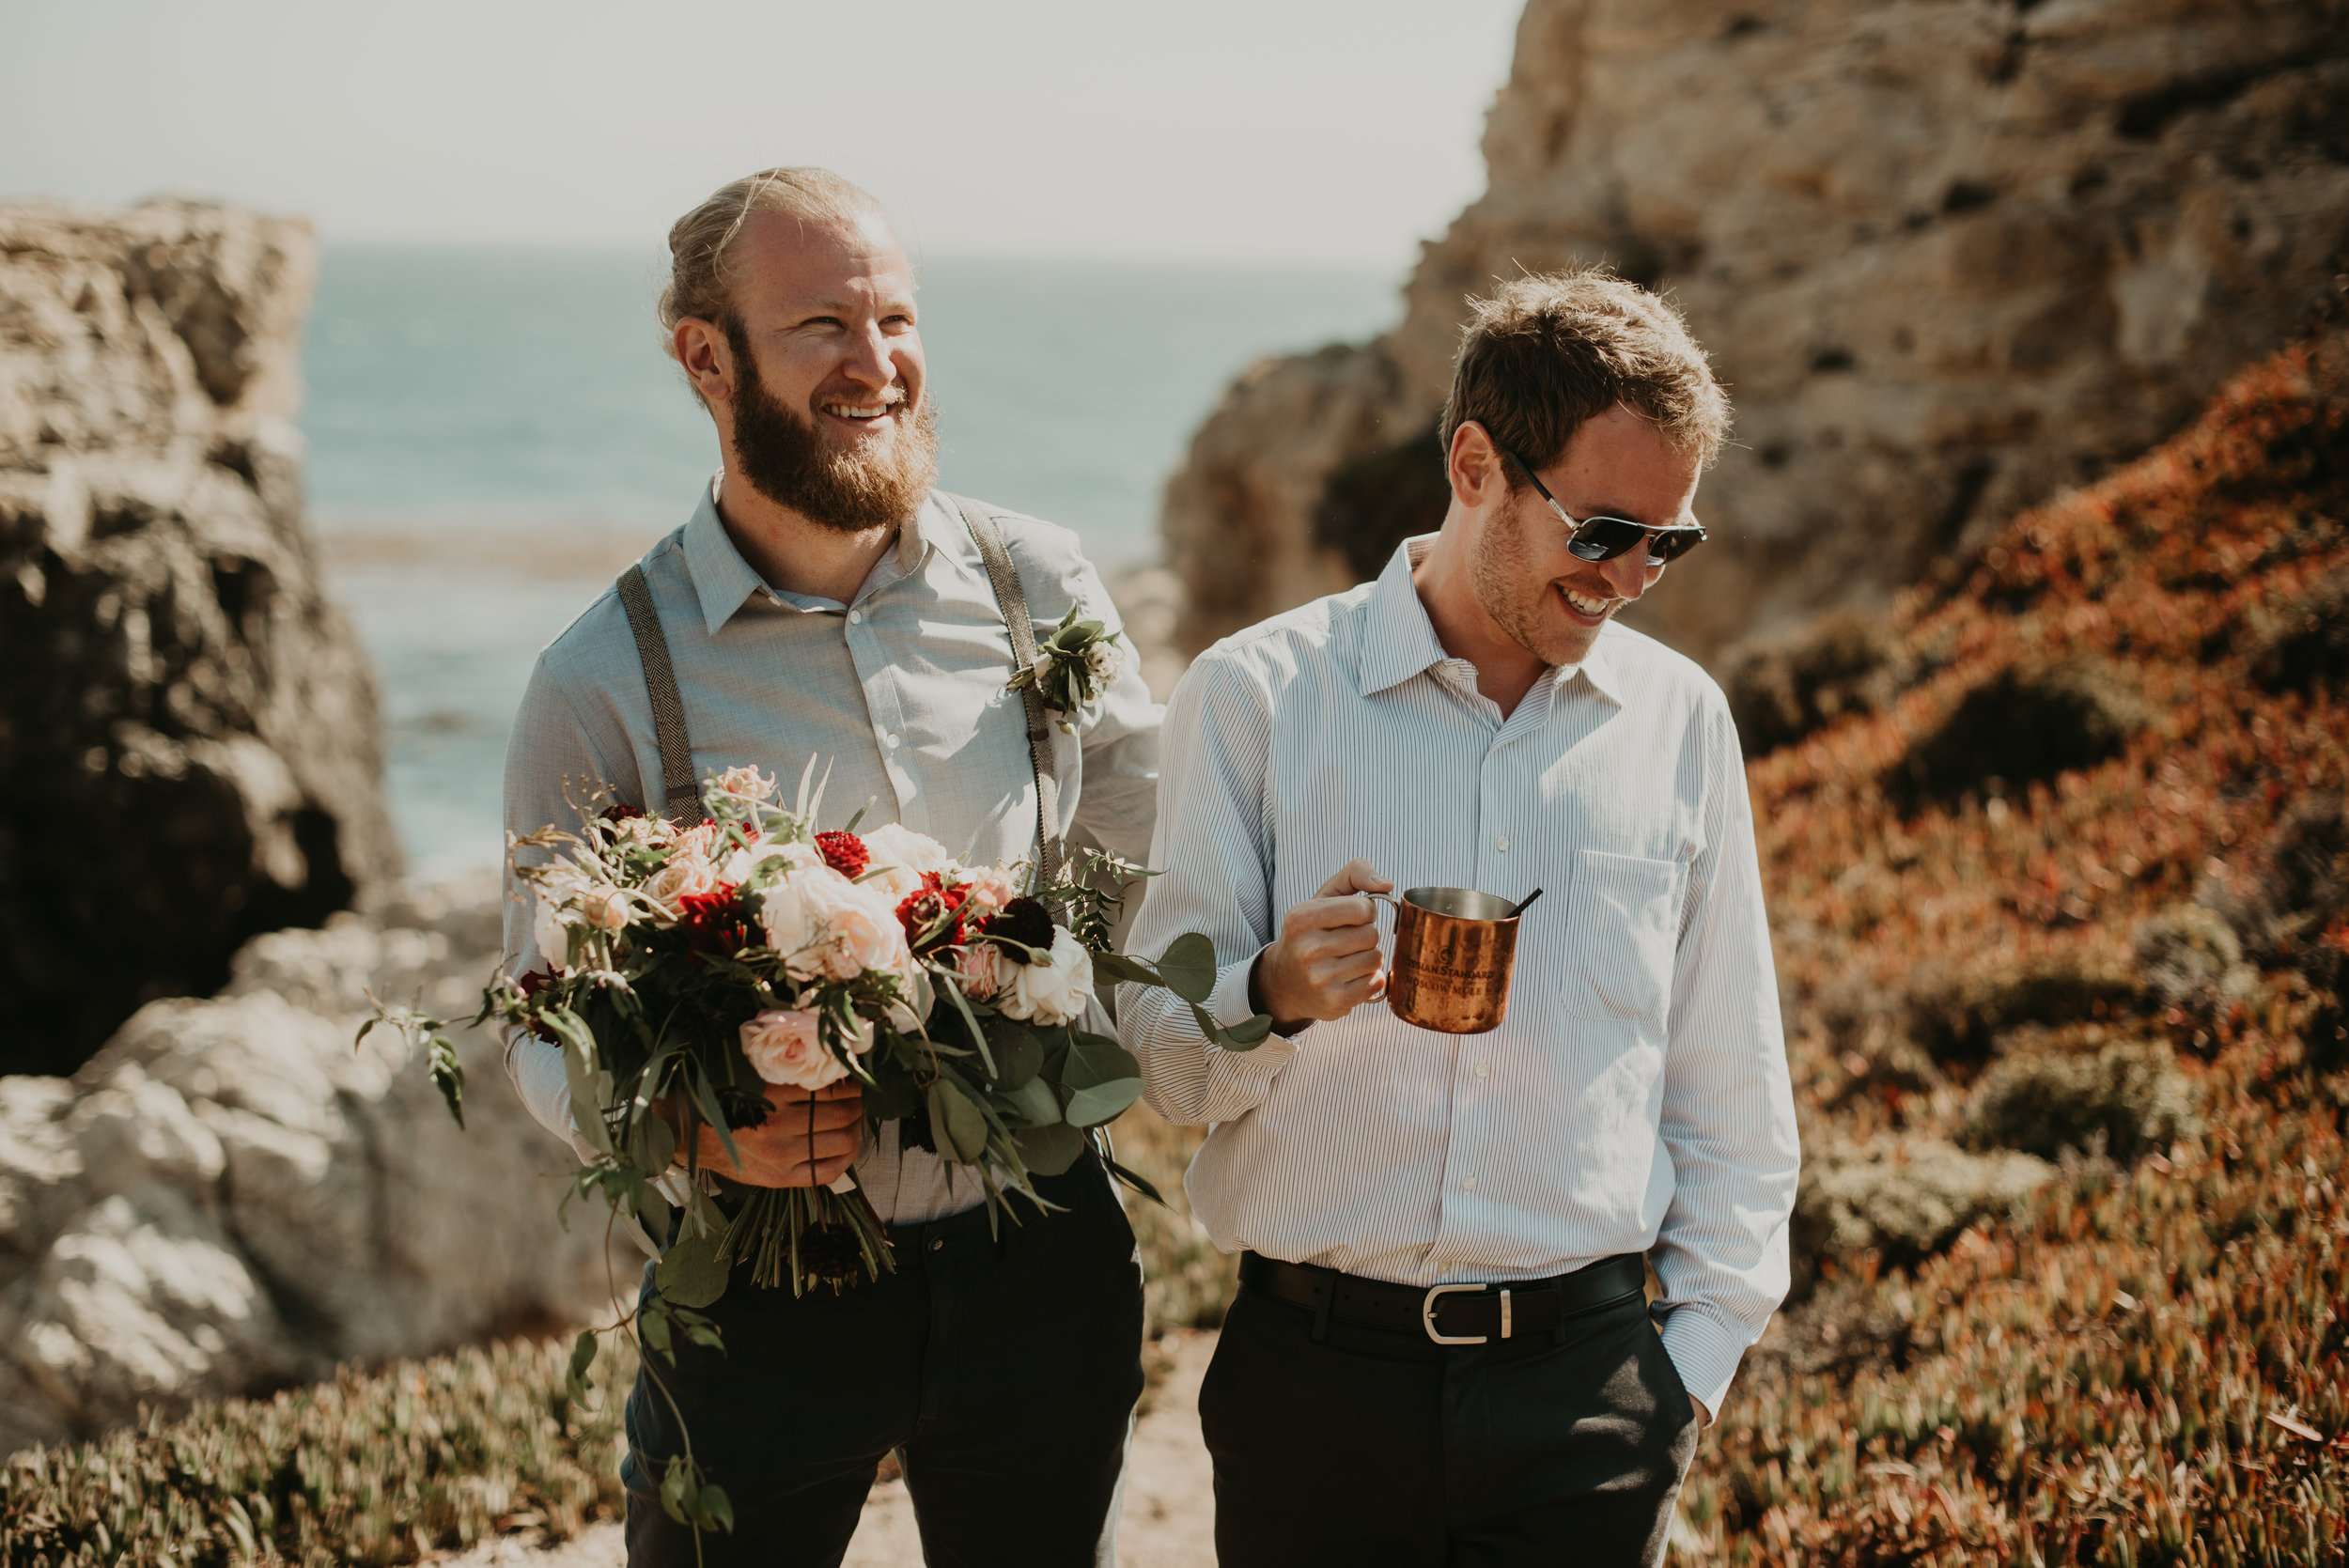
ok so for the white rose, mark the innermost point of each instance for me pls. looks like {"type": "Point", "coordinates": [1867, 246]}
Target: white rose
{"type": "Point", "coordinates": [1050, 991]}
{"type": "Point", "coordinates": [903, 857]}
{"type": "Point", "coordinates": [743, 784]}
{"type": "Point", "coordinates": [786, 1046]}
{"type": "Point", "coordinates": [1105, 659]}
{"type": "Point", "coordinates": [742, 865]}
{"type": "Point", "coordinates": [866, 936]}
{"type": "Point", "coordinates": [683, 874]}
{"type": "Point", "coordinates": [826, 926]}
{"type": "Point", "coordinates": [565, 898]}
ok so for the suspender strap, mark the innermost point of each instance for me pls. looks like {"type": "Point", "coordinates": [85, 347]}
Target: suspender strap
{"type": "Point", "coordinates": [1013, 602]}
{"type": "Point", "coordinates": [684, 802]}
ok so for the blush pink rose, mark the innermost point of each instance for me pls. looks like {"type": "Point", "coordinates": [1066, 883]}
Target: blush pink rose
{"type": "Point", "coordinates": [685, 873]}
{"type": "Point", "coordinates": [786, 1045]}
{"type": "Point", "coordinates": [976, 965]}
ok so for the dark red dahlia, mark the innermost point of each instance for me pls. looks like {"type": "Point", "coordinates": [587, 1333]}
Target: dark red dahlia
{"type": "Point", "coordinates": [620, 811]}
{"type": "Point", "coordinates": [1026, 923]}
{"type": "Point", "coordinates": [534, 982]}
{"type": "Point", "coordinates": [714, 921]}
{"type": "Point", "coordinates": [933, 916]}
{"type": "Point", "coordinates": [844, 852]}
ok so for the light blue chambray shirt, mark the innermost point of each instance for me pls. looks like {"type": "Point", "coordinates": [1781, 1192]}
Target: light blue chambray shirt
{"type": "Point", "coordinates": [899, 691]}
{"type": "Point", "coordinates": [1637, 1095]}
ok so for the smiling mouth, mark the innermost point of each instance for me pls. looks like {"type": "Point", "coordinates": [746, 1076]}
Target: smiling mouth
{"type": "Point", "coordinates": [1587, 606]}
{"type": "Point", "coordinates": [864, 412]}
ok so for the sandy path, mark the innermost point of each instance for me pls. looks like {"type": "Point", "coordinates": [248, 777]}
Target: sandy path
{"type": "Point", "coordinates": [1168, 1521]}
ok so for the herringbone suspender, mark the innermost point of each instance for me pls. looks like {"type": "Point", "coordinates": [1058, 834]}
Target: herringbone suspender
{"type": "Point", "coordinates": [684, 803]}
{"type": "Point", "coordinates": [1012, 602]}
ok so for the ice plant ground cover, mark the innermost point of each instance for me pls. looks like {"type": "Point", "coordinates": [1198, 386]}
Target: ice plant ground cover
{"type": "Point", "coordinates": [2147, 1359]}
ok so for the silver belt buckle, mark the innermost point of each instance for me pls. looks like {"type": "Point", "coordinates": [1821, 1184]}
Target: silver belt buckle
{"type": "Point", "coordinates": [1427, 1315]}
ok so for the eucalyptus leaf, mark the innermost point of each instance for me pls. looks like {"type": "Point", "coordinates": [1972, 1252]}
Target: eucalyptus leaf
{"type": "Point", "coordinates": [1051, 1150]}
{"type": "Point", "coordinates": [1187, 967]}
{"type": "Point", "coordinates": [956, 1120]}
{"type": "Point", "coordinates": [1018, 1054]}
{"type": "Point", "coordinates": [659, 1143]}
{"type": "Point", "coordinates": [1118, 966]}
{"type": "Point", "coordinates": [1102, 1102]}
{"type": "Point", "coordinates": [1096, 1059]}
{"type": "Point", "coordinates": [1034, 1103]}
{"type": "Point", "coordinates": [1245, 1035]}
{"type": "Point", "coordinates": [690, 1273]}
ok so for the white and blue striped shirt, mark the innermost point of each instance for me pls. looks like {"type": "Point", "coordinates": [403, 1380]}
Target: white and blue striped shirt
{"type": "Point", "coordinates": [1636, 1099]}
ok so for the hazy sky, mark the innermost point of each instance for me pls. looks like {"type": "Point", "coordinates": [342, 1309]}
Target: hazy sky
{"type": "Point", "coordinates": [1285, 130]}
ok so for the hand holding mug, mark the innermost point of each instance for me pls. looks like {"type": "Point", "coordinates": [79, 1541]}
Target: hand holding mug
{"type": "Point", "coordinates": [1325, 963]}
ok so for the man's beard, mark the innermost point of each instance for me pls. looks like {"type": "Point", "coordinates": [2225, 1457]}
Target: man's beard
{"type": "Point", "coordinates": [785, 457]}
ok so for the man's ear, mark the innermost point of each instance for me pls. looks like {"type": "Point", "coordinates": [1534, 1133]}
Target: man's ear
{"type": "Point", "coordinates": [1472, 464]}
{"type": "Point", "coordinates": [708, 358]}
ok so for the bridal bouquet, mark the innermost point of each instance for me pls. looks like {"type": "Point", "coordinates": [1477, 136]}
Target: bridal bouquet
{"type": "Point", "coordinates": [689, 967]}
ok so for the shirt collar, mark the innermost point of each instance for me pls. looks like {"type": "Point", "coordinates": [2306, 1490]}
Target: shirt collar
{"type": "Point", "coordinates": [723, 579]}
{"type": "Point", "coordinates": [1399, 641]}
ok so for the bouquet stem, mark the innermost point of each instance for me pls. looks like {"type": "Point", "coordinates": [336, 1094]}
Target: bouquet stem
{"type": "Point", "coordinates": [814, 1235]}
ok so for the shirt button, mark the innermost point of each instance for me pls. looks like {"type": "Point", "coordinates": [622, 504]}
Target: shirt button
{"type": "Point", "coordinates": [1501, 844]}
{"type": "Point", "coordinates": [1467, 1184]}
{"type": "Point", "coordinates": [890, 740]}
{"type": "Point", "coordinates": [856, 618]}
{"type": "Point", "coordinates": [938, 1244]}
{"type": "Point", "coordinates": [1483, 1070]}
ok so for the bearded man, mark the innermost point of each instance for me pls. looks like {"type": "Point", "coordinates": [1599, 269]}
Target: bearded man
{"type": "Point", "coordinates": [1441, 1352]}
{"type": "Point", "coordinates": [825, 600]}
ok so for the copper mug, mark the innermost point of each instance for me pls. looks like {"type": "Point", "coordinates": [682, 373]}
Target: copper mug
{"type": "Point", "coordinates": [1455, 949]}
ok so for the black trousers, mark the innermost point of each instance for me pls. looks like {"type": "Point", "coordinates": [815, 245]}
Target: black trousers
{"type": "Point", "coordinates": [1005, 1370]}
{"type": "Point", "coordinates": [1378, 1450]}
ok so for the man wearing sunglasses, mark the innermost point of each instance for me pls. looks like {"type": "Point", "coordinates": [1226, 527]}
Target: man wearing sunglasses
{"type": "Point", "coordinates": [1442, 1351]}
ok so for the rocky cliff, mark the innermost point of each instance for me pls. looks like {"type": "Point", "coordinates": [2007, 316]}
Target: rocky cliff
{"type": "Point", "coordinates": [188, 739]}
{"type": "Point", "coordinates": [1951, 256]}
{"type": "Point", "coordinates": [230, 1198]}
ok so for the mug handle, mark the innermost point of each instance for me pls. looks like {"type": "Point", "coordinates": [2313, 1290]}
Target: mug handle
{"type": "Point", "coordinates": [1386, 957]}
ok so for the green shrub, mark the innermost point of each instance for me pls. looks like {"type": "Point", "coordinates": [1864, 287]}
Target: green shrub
{"type": "Point", "coordinates": [2026, 724]}
{"type": "Point", "coordinates": [2123, 1100]}
{"type": "Point", "coordinates": [372, 1467]}
{"type": "Point", "coordinates": [1779, 692]}
{"type": "Point", "coordinates": [1899, 1201]}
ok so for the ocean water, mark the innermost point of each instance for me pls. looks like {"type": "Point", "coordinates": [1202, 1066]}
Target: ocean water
{"type": "Point", "coordinates": [495, 433]}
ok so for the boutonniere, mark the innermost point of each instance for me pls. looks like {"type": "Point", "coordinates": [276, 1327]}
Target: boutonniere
{"type": "Point", "coordinates": [1075, 663]}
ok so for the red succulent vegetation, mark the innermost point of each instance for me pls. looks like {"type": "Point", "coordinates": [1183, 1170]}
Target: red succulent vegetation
{"type": "Point", "coordinates": [2087, 842]}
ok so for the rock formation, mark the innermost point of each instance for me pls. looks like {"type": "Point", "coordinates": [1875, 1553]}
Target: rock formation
{"type": "Point", "coordinates": [188, 741]}
{"type": "Point", "coordinates": [1948, 254]}
{"type": "Point", "coordinates": [229, 1197]}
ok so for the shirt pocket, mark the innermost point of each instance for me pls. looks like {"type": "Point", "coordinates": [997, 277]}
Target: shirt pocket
{"type": "Point", "coordinates": [1622, 920]}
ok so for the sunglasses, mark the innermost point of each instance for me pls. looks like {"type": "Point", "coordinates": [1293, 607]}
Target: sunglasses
{"type": "Point", "coordinates": [1603, 538]}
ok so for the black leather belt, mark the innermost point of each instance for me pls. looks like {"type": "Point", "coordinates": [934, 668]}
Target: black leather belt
{"type": "Point", "coordinates": [1447, 1315]}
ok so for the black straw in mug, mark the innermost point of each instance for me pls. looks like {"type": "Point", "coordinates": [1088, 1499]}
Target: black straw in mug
{"type": "Point", "coordinates": [1523, 905]}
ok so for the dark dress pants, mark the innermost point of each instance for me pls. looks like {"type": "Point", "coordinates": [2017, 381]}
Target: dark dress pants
{"type": "Point", "coordinates": [1005, 1370]}
{"type": "Point", "coordinates": [1377, 1450]}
